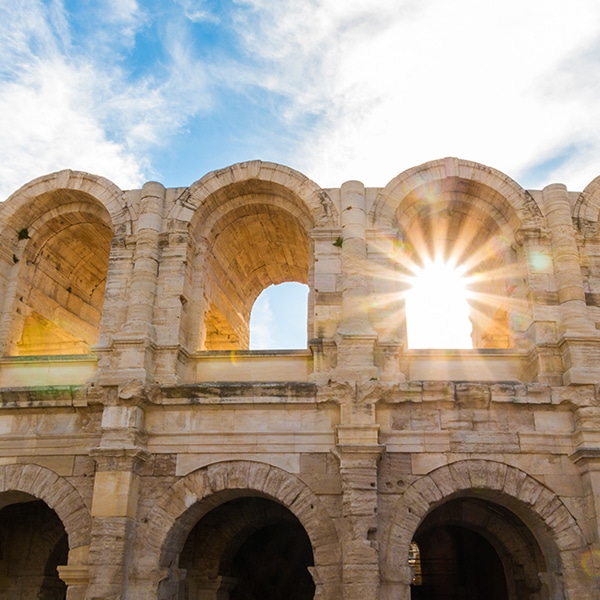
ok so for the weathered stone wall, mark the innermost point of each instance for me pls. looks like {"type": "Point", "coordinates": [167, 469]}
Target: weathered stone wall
{"type": "Point", "coordinates": [172, 457]}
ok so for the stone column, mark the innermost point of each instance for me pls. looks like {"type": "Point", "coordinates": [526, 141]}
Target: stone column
{"type": "Point", "coordinates": [172, 308]}
{"type": "Point", "coordinates": [577, 335]}
{"type": "Point", "coordinates": [355, 334]}
{"type": "Point", "coordinates": [145, 261]}
{"type": "Point", "coordinates": [386, 303]}
{"type": "Point", "coordinates": [587, 458]}
{"type": "Point", "coordinates": [565, 254]}
{"type": "Point", "coordinates": [358, 457]}
{"type": "Point", "coordinates": [114, 311]}
{"type": "Point", "coordinates": [115, 498]}
{"type": "Point", "coordinates": [586, 439]}
{"type": "Point", "coordinates": [134, 346]}
{"type": "Point", "coordinates": [327, 302]}
{"type": "Point", "coordinates": [537, 331]}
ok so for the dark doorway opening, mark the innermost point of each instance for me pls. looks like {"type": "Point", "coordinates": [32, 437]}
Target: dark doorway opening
{"type": "Point", "coordinates": [33, 542]}
{"type": "Point", "coordinates": [473, 548]}
{"type": "Point", "coordinates": [271, 565]}
{"type": "Point", "coordinates": [458, 564]}
{"type": "Point", "coordinates": [249, 548]}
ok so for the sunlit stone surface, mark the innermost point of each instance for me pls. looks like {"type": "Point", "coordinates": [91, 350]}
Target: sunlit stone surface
{"type": "Point", "coordinates": [147, 453]}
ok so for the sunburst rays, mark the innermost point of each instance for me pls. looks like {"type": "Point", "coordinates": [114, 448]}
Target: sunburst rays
{"type": "Point", "coordinates": [457, 263]}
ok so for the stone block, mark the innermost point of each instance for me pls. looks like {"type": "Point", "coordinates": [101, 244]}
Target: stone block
{"type": "Point", "coordinates": [115, 494]}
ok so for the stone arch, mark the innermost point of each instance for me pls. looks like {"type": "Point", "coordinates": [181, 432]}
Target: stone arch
{"type": "Point", "coordinates": [526, 211]}
{"type": "Point", "coordinates": [471, 215]}
{"type": "Point", "coordinates": [202, 195]}
{"type": "Point", "coordinates": [557, 532]}
{"type": "Point", "coordinates": [168, 523]}
{"type": "Point", "coordinates": [250, 227]}
{"type": "Point", "coordinates": [587, 208]}
{"type": "Point", "coordinates": [16, 212]}
{"type": "Point", "coordinates": [56, 234]}
{"type": "Point", "coordinates": [248, 543]}
{"type": "Point", "coordinates": [55, 491]}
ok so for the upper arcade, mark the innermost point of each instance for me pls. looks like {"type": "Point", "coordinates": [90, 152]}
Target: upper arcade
{"type": "Point", "coordinates": [157, 285]}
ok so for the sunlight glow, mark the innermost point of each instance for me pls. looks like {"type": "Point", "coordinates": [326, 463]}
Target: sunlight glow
{"type": "Point", "coordinates": [437, 310]}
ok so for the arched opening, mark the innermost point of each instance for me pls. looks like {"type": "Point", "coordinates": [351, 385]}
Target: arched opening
{"type": "Point", "coordinates": [470, 548]}
{"type": "Point", "coordinates": [62, 262]}
{"type": "Point", "coordinates": [472, 227]}
{"type": "Point", "coordinates": [247, 547]}
{"type": "Point", "coordinates": [33, 543]}
{"type": "Point", "coordinates": [278, 318]}
{"type": "Point", "coordinates": [247, 237]}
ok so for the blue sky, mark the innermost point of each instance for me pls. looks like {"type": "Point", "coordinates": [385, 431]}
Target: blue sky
{"type": "Point", "coordinates": [338, 89]}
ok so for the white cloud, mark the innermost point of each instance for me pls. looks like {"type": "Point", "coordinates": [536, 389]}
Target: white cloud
{"type": "Point", "coordinates": [196, 11]}
{"type": "Point", "coordinates": [397, 84]}
{"type": "Point", "coordinates": [50, 118]}
{"type": "Point", "coordinates": [46, 125]}
{"type": "Point", "coordinates": [369, 87]}
{"type": "Point", "coordinates": [66, 105]}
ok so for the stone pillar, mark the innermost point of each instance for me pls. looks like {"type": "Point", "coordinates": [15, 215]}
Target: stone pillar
{"type": "Point", "coordinates": [386, 303]}
{"type": "Point", "coordinates": [172, 308]}
{"type": "Point", "coordinates": [145, 261]}
{"type": "Point", "coordinates": [358, 458]}
{"type": "Point", "coordinates": [134, 346]}
{"type": "Point", "coordinates": [327, 306]}
{"type": "Point", "coordinates": [114, 311]}
{"type": "Point", "coordinates": [115, 497]}
{"type": "Point", "coordinates": [355, 334]}
{"type": "Point", "coordinates": [587, 458]}
{"type": "Point", "coordinates": [571, 295]}
{"type": "Point", "coordinates": [586, 439]}
{"type": "Point", "coordinates": [11, 316]}
{"type": "Point", "coordinates": [577, 336]}
{"type": "Point", "coordinates": [538, 331]}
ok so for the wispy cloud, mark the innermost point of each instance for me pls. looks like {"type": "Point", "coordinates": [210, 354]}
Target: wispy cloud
{"type": "Point", "coordinates": [72, 103]}
{"type": "Point", "coordinates": [400, 83]}
{"type": "Point", "coordinates": [197, 11]}
{"type": "Point", "coordinates": [45, 126]}
{"type": "Point", "coordinates": [360, 89]}
{"type": "Point", "coordinates": [50, 117]}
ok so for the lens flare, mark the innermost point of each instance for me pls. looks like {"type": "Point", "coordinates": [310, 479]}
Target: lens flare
{"type": "Point", "coordinates": [590, 563]}
{"type": "Point", "coordinates": [540, 261]}
{"type": "Point", "coordinates": [459, 279]}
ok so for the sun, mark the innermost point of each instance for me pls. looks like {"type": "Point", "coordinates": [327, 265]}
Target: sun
{"type": "Point", "coordinates": [437, 307]}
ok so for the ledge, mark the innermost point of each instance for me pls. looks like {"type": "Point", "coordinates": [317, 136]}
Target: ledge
{"type": "Point", "coordinates": [253, 365]}
{"type": "Point", "coordinates": [244, 392]}
{"type": "Point", "coordinates": [465, 365]}
{"type": "Point", "coordinates": [38, 396]}
{"type": "Point", "coordinates": [54, 370]}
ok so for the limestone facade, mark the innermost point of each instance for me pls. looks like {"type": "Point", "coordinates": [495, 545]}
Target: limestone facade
{"type": "Point", "coordinates": [146, 453]}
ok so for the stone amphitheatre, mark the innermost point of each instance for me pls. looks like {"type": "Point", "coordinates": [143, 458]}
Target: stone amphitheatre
{"type": "Point", "coordinates": [148, 453]}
